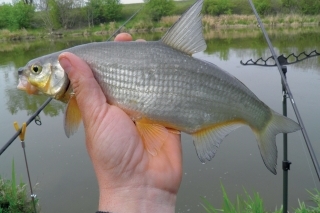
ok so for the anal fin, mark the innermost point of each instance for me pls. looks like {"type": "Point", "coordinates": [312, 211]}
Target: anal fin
{"type": "Point", "coordinates": [153, 135]}
{"type": "Point", "coordinates": [72, 117]}
{"type": "Point", "coordinates": [208, 140]}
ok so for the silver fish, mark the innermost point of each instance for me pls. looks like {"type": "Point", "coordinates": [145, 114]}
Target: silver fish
{"type": "Point", "coordinates": [160, 85]}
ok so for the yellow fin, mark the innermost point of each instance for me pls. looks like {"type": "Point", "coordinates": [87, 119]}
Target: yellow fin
{"type": "Point", "coordinates": [153, 136]}
{"type": "Point", "coordinates": [72, 117]}
{"type": "Point", "coordinates": [208, 140]}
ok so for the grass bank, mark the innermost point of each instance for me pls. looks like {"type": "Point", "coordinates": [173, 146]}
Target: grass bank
{"type": "Point", "coordinates": [140, 25]}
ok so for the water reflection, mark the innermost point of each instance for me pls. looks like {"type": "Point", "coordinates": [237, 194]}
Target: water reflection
{"type": "Point", "coordinates": [251, 42]}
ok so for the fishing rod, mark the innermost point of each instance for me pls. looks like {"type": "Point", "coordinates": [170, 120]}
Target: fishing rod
{"type": "Point", "coordinates": [284, 60]}
{"type": "Point", "coordinates": [286, 85]}
{"type": "Point", "coordinates": [36, 114]}
{"type": "Point", "coordinates": [18, 132]}
{"type": "Point", "coordinates": [280, 62]}
{"type": "Point", "coordinates": [22, 136]}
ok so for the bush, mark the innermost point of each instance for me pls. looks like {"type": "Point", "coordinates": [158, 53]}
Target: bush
{"type": "Point", "coordinates": [16, 16]}
{"type": "Point", "coordinates": [217, 7]}
{"type": "Point", "coordinates": [310, 7]}
{"type": "Point", "coordinates": [241, 7]}
{"type": "Point", "coordinates": [263, 7]}
{"type": "Point", "coordinates": [155, 9]}
{"type": "Point", "coordinates": [104, 10]}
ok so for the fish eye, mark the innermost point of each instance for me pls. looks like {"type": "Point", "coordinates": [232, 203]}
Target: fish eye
{"type": "Point", "coordinates": [36, 69]}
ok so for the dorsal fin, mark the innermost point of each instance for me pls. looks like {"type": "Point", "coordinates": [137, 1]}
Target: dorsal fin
{"type": "Point", "coordinates": [186, 34]}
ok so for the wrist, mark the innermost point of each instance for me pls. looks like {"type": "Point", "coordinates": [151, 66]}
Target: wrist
{"type": "Point", "coordinates": [138, 199]}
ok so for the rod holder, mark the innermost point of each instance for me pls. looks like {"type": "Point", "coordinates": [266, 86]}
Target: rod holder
{"type": "Point", "coordinates": [286, 165]}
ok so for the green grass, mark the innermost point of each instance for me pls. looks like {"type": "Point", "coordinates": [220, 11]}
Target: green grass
{"type": "Point", "coordinates": [13, 197]}
{"type": "Point", "coordinates": [254, 204]}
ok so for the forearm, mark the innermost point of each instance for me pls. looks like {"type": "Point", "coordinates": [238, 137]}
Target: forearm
{"type": "Point", "coordinates": [137, 200]}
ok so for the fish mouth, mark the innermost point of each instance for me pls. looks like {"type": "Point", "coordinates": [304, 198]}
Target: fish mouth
{"type": "Point", "coordinates": [26, 86]}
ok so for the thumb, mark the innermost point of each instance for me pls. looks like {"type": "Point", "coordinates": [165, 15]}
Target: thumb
{"type": "Point", "coordinates": [88, 93]}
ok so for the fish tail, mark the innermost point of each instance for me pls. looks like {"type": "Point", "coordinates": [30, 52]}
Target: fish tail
{"type": "Point", "coordinates": [267, 138]}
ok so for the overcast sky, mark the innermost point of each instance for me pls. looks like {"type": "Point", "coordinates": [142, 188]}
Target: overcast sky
{"type": "Point", "coordinates": [122, 1]}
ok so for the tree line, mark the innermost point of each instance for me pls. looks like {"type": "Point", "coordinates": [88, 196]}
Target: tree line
{"type": "Point", "coordinates": [264, 7]}
{"type": "Point", "coordinates": [67, 14]}
{"type": "Point", "coordinates": [57, 14]}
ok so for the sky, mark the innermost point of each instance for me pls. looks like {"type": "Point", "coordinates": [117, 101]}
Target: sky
{"type": "Point", "coordinates": [122, 1]}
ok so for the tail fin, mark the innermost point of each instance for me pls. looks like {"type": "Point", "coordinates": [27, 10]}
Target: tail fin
{"type": "Point", "coordinates": [267, 138]}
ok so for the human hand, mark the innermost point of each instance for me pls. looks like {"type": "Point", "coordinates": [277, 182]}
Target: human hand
{"type": "Point", "coordinates": [129, 178]}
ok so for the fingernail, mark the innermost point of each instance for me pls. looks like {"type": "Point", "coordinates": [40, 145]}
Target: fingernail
{"type": "Point", "coordinates": [65, 64]}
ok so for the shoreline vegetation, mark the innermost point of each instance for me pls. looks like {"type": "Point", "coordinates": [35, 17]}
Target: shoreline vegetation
{"type": "Point", "coordinates": [14, 196]}
{"type": "Point", "coordinates": [210, 23]}
{"type": "Point", "coordinates": [41, 19]}
{"type": "Point", "coordinates": [246, 203]}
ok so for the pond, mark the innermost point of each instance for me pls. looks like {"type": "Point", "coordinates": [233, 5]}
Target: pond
{"type": "Point", "coordinates": [60, 169]}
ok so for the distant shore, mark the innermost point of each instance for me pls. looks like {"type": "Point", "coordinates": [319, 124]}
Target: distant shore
{"type": "Point", "coordinates": [209, 23]}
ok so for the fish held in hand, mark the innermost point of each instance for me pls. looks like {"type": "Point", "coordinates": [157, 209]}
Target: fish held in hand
{"type": "Point", "coordinates": [163, 88]}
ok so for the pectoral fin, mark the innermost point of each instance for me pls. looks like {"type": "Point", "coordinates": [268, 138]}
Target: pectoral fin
{"type": "Point", "coordinates": [153, 136]}
{"type": "Point", "coordinates": [208, 140]}
{"type": "Point", "coordinates": [72, 117]}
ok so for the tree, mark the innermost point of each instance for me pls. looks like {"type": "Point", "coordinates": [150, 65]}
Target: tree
{"type": "Point", "coordinates": [112, 10]}
{"type": "Point", "coordinates": [100, 11]}
{"type": "Point", "coordinates": [158, 8]}
{"type": "Point", "coordinates": [29, 2]}
{"type": "Point", "coordinates": [217, 7]}
{"type": "Point", "coordinates": [61, 13]}
{"type": "Point", "coordinates": [16, 16]}
{"type": "Point", "coordinates": [263, 6]}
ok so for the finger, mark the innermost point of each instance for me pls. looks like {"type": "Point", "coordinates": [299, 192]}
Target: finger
{"type": "Point", "coordinates": [173, 149]}
{"type": "Point", "coordinates": [88, 92]}
{"type": "Point", "coordinates": [123, 37]}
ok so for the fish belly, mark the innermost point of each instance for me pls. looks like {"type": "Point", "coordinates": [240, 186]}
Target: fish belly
{"type": "Point", "coordinates": [154, 81]}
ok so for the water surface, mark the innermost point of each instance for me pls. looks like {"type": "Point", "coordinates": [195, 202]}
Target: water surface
{"type": "Point", "coordinates": [61, 171]}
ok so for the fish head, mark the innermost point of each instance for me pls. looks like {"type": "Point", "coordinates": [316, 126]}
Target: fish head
{"type": "Point", "coordinates": [26, 86]}
{"type": "Point", "coordinates": [44, 75]}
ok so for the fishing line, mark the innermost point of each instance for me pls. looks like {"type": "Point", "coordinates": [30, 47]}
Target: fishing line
{"type": "Point", "coordinates": [285, 83]}
{"type": "Point", "coordinates": [125, 22]}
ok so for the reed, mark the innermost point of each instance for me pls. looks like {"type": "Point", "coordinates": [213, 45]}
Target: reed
{"type": "Point", "coordinates": [168, 21]}
{"type": "Point", "coordinates": [236, 21]}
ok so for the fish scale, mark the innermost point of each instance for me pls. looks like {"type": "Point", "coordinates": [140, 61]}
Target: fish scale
{"type": "Point", "coordinates": [153, 92]}
{"type": "Point", "coordinates": [159, 84]}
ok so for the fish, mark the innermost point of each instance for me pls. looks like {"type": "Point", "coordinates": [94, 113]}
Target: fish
{"type": "Point", "coordinates": [162, 88]}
